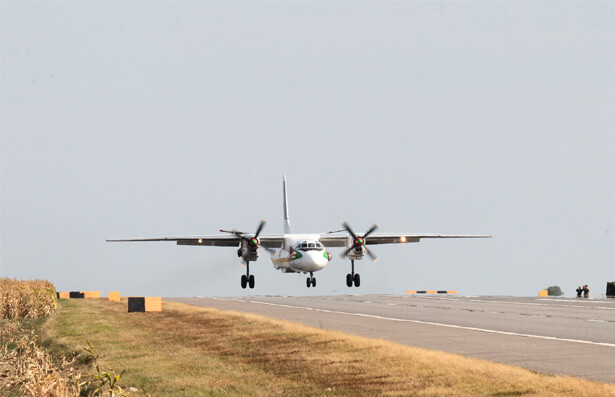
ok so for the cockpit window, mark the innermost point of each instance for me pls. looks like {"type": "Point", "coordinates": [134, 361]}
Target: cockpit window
{"type": "Point", "coordinates": [310, 246]}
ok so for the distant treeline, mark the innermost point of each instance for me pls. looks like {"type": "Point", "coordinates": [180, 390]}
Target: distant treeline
{"type": "Point", "coordinates": [30, 298]}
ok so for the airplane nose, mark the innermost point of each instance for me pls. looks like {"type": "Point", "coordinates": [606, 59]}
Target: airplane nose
{"type": "Point", "coordinates": [317, 257]}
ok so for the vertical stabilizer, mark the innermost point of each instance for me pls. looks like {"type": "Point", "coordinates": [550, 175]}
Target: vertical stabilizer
{"type": "Point", "coordinates": [286, 216]}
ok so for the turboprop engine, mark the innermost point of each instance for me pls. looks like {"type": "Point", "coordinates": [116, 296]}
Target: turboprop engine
{"type": "Point", "coordinates": [248, 249]}
{"type": "Point", "coordinates": [356, 244]}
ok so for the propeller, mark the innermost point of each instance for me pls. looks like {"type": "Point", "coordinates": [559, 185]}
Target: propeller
{"type": "Point", "coordinates": [359, 241]}
{"type": "Point", "coordinates": [252, 241]}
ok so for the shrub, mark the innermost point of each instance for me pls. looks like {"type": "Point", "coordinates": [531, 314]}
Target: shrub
{"type": "Point", "coordinates": [554, 291]}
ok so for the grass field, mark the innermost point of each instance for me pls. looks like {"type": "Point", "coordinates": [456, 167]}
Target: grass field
{"type": "Point", "coordinates": [189, 351]}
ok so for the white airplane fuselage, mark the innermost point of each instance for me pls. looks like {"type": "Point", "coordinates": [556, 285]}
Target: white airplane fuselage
{"type": "Point", "coordinates": [301, 253]}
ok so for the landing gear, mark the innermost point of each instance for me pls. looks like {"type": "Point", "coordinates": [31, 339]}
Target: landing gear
{"type": "Point", "coordinates": [311, 281]}
{"type": "Point", "coordinates": [353, 278]}
{"type": "Point", "coordinates": [247, 279]}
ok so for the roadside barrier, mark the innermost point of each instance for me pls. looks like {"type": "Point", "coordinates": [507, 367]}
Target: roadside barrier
{"type": "Point", "coordinates": [543, 293]}
{"type": "Point", "coordinates": [153, 304]}
{"type": "Point", "coordinates": [79, 295]}
{"type": "Point", "coordinates": [114, 296]}
{"type": "Point", "coordinates": [144, 304]}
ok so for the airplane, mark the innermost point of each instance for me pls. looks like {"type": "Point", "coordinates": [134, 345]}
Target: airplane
{"type": "Point", "coordinates": [301, 253]}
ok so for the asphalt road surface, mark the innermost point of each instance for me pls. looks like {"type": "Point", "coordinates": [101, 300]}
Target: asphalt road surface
{"type": "Point", "coordinates": [555, 336]}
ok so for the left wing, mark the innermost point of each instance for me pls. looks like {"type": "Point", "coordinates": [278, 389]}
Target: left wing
{"type": "Point", "coordinates": [218, 240]}
{"type": "Point", "coordinates": [340, 240]}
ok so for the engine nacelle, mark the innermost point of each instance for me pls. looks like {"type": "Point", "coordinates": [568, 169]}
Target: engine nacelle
{"type": "Point", "coordinates": [357, 252]}
{"type": "Point", "coordinates": [248, 251]}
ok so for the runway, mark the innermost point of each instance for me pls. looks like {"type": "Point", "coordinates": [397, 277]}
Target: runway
{"type": "Point", "coordinates": [555, 336]}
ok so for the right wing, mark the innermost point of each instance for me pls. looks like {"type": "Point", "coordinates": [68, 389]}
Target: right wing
{"type": "Point", "coordinates": [339, 240]}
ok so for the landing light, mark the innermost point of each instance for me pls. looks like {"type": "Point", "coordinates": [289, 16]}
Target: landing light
{"type": "Point", "coordinates": [200, 241]}
{"type": "Point", "coordinates": [402, 239]}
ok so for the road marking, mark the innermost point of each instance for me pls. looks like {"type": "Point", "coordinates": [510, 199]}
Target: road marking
{"type": "Point", "coordinates": [402, 320]}
{"type": "Point", "coordinates": [519, 303]}
{"type": "Point", "coordinates": [596, 321]}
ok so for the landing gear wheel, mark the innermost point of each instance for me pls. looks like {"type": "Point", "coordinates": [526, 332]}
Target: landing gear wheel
{"type": "Point", "coordinates": [357, 280]}
{"type": "Point", "coordinates": [308, 282]}
{"type": "Point", "coordinates": [349, 280]}
{"type": "Point", "coordinates": [251, 281]}
{"type": "Point", "coordinates": [313, 281]}
{"type": "Point", "coordinates": [244, 281]}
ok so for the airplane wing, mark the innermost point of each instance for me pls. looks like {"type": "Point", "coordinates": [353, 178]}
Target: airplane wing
{"type": "Point", "coordinates": [341, 240]}
{"type": "Point", "coordinates": [400, 238]}
{"type": "Point", "coordinates": [219, 240]}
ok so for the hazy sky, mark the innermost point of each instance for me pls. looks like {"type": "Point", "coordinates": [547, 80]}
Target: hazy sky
{"type": "Point", "coordinates": [143, 119]}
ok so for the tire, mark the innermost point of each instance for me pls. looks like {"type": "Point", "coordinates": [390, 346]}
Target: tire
{"type": "Point", "coordinates": [357, 280]}
{"type": "Point", "coordinates": [349, 280]}
{"type": "Point", "coordinates": [244, 281]}
{"type": "Point", "coordinates": [308, 282]}
{"type": "Point", "coordinates": [251, 281]}
{"type": "Point", "coordinates": [313, 281]}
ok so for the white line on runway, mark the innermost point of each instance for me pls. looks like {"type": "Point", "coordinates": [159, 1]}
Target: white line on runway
{"type": "Point", "coordinates": [513, 303]}
{"type": "Point", "coordinates": [402, 320]}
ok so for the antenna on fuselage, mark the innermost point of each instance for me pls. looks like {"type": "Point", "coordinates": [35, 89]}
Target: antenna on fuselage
{"type": "Point", "coordinates": [286, 216]}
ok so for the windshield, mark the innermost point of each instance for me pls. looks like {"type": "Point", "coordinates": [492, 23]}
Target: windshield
{"type": "Point", "coordinates": [310, 246]}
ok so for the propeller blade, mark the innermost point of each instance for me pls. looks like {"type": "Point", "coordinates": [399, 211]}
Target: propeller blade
{"type": "Point", "coordinates": [349, 230]}
{"type": "Point", "coordinates": [270, 250]}
{"type": "Point", "coordinates": [235, 232]}
{"type": "Point", "coordinates": [260, 228]}
{"type": "Point", "coordinates": [334, 231]}
{"type": "Point", "coordinates": [373, 257]}
{"type": "Point", "coordinates": [370, 231]}
{"type": "Point", "coordinates": [345, 254]}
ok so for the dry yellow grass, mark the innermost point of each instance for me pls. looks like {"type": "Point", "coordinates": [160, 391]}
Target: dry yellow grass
{"type": "Point", "coordinates": [28, 369]}
{"type": "Point", "coordinates": [26, 299]}
{"type": "Point", "coordinates": [188, 351]}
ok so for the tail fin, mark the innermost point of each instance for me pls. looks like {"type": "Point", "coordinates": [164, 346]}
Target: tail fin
{"type": "Point", "coordinates": [286, 216]}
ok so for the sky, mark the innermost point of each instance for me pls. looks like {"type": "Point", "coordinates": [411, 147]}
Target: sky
{"type": "Point", "coordinates": [149, 119]}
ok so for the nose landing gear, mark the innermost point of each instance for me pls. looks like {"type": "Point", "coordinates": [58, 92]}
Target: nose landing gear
{"type": "Point", "coordinates": [353, 278]}
{"type": "Point", "coordinates": [311, 281]}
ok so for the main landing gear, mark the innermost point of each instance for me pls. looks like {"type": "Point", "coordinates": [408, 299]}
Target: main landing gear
{"type": "Point", "coordinates": [247, 279]}
{"type": "Point", "coordinates": [352, 277]}
{"type": "Point", "coordinates": [311, 281]}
